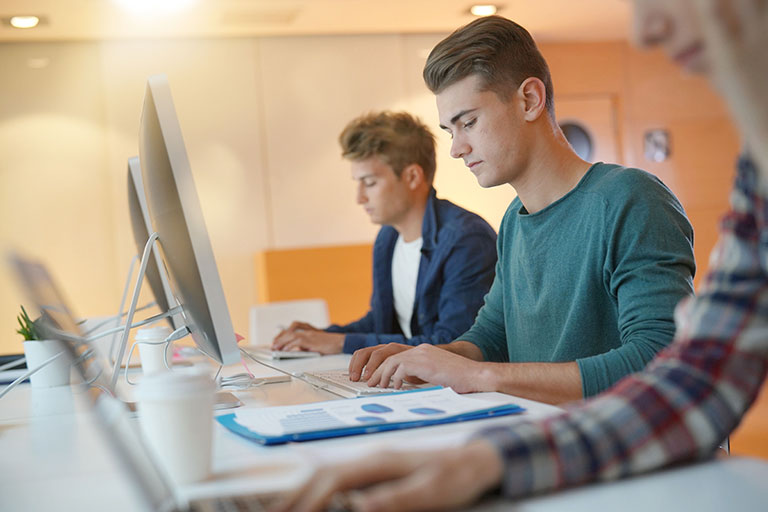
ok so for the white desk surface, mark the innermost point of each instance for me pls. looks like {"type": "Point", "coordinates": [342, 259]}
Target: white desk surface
{"type": "Point", "coordinates": [52, 457]}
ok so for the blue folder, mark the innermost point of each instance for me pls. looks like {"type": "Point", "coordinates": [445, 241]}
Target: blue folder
{"type": "Point", "coordinates": [229, 421]}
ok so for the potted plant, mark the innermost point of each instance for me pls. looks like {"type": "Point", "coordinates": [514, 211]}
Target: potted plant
{"type": "Point", "coordinates": [27, 327]}
{"type": "Point", "coordinates": [38, 351]}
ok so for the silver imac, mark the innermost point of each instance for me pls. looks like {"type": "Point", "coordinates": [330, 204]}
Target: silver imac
{"type": "Point", "coordinates": [142, 227]}
{"type": "Point", "coordinates": [177, 218]}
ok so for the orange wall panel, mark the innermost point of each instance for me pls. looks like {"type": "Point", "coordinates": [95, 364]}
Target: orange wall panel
{"type": "Point", "coordinates": [751, 436]}
{"type": "Point", "coordinates": [342, 275]}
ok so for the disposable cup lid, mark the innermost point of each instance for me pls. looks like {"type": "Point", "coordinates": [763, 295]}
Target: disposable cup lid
{"type": "Point", "coordinates": [174, 385]}
{"type": "Point", "coordinates": [158, 333]}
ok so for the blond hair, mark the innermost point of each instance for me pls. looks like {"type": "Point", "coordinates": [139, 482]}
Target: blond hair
{"type": "Point", "coordinates": [397, 138]}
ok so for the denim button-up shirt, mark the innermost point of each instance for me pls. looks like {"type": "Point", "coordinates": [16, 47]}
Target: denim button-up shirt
{"type": "Point", "coordinates": [458, 258]}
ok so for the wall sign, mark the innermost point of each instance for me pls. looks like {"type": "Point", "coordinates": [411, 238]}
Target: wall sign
{"type": "Point", "coordinates": [657, 145]}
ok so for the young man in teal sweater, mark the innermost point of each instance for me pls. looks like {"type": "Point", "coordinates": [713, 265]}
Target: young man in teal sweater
{"type": "Point", "coordinates": [693, 394]}
{"type": "Point", "coordinates": [592, 258]}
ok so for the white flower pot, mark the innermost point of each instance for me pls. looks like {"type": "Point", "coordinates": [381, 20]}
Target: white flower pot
{"type": "Point", "coordinates": [55, 373]}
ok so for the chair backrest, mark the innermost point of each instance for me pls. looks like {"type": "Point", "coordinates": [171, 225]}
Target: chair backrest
{"type": "Point", "coordinates": [267, 320]}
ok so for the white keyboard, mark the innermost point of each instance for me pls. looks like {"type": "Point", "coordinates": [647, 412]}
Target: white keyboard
{"type": "Point", "coordinates": [340, 379]}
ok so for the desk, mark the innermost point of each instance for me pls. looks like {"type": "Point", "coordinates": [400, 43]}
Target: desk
{"type": "Point", "coordinates": [53, 458]}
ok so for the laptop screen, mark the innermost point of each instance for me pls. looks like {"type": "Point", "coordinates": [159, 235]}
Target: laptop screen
{"type": "Point", "coordinates": [118, 428]}
{"type": "Point", "coordinates": [57, 322]}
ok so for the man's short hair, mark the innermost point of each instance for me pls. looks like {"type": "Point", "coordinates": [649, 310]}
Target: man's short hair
{"type": "Point", "coordinates": [499, 51]}
{"type": "Point", "coordinates": [397, 138]}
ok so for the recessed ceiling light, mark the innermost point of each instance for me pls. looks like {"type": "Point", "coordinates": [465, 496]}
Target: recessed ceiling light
{"type": "Point", "coordinates": [24, 21]}
{"type": "Point", "coordinates": [483, 10]}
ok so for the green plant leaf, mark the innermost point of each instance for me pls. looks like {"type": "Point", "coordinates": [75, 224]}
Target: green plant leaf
{"type": "Point", "coordinates": [28, 329]}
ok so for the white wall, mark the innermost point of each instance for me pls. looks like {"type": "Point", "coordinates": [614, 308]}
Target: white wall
{"type": "Point", "coordinates": [260, 119]}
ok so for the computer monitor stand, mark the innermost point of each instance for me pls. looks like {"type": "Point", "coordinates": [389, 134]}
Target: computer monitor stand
{"type": "Point", "coordinates": [95, 328]}
{"type": "Point", "coordinates": [224, 400]}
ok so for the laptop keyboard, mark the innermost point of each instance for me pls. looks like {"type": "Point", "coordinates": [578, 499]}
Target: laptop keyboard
{"type": "Point", "coordinates": [340, 379]}
{"type": "Point", "coordinates": [255, 503]}
{"type": "Point", "coordinates": [247, 503]}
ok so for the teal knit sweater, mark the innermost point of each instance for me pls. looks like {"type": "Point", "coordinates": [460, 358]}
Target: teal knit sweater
{"type": "Point", "coordinates": [593, 278]}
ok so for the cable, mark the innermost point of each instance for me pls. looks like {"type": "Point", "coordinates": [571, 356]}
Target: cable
{"type": "Point", "coordinates": [179, 333]}
{"type": "Point", "coordinates": [29, 374]}
{"type": "Point", "coordinates": [13, 364]}
{"type": "Point", "coordinates": [240, 381]}
{"type": "Point", "coordinates": [141, 323]}
{"type": "Point", "coordinates": [109, 319]}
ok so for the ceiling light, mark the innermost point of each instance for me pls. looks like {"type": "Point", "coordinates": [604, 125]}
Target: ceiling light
{"type": "Point", "coordinates": [483, 10]}
{"type": "Point", "coordinates": [24, 21]}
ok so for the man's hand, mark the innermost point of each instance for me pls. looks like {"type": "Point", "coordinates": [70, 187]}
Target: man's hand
{"type": "Point", "coordinates": [303, 336]}
{"type": "Point", "coordinates": [370, 358]}
{"type": "Point", "coordinates": [431, 364]}
{"type": "Point", "coordinates": [404, 481]}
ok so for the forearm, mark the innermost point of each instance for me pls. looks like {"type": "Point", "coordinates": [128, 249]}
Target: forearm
{"type": "Point", "coordinates": [553, 383]}
{"type": "Point", "coordinates": [363, 325]}
{"type": "Point", "coordinates": [465, 349]}
{"type": "Point", "coordinates": [630, 440]}
{"type": "Point", "coordinates": [601, 371]}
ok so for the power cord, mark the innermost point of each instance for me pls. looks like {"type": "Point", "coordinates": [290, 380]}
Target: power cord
{"type": "Point", "coordinates": [13, 364]}
{"type": "Point", "coordinates": [110, 319]}
{"type": "Point", "coordinates": [240, 381]}
{"type": "Point", "coordinates": [141, 323]}
{"type": "Point", "coordinates": [29, 374]}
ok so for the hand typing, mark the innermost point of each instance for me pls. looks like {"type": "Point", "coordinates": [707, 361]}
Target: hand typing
{"type": "Point", "coordinates": [303, 336]}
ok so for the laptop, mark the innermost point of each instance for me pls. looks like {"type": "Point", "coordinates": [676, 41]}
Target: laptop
{"type": "Point", "coordinates": [122, 436]}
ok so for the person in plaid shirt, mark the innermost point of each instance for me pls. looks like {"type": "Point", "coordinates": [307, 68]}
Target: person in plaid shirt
{"type": "Point", "coordinates": [695, 392]}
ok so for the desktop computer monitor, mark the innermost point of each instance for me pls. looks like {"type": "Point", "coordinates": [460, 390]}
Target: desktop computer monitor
{"type": "Point", "coordinates": [142, 227]}
{"type": "Point", "coordinates": [175, 214]}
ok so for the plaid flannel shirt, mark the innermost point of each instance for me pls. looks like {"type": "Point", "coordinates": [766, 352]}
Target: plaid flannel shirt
{"type": "Point", "coordinates": [689, 398]}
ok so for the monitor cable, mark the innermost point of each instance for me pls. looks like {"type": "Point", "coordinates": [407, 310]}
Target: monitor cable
{"type": "Point", "coordinates": [29, 373]}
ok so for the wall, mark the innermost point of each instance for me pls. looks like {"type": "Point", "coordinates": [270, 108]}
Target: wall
{"type": "Point", "coordinates": [260, 119]}
{"type": "Point", "coordinates": [55, 195]}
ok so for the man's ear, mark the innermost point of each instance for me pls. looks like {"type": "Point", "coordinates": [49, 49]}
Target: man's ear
{"type": "Point", "coordinates": [413, 175]}
{"type": "Point", "coordinates": [533, 95]}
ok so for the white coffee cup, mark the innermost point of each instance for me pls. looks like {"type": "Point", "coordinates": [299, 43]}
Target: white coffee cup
{"type": "Point", "coordinates": [153, 349]}
{"type": "Point", "coordinates": [176, 417]}
{"type": "Point", "coordinates": [56, 373]}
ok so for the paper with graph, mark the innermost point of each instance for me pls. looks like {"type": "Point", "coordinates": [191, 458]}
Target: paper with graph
{"type": "Point", "coordinates": [272, 425]}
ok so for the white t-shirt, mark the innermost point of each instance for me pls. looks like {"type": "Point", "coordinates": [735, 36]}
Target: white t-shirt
{"type": "Point", "coordinates": [405, 273]}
